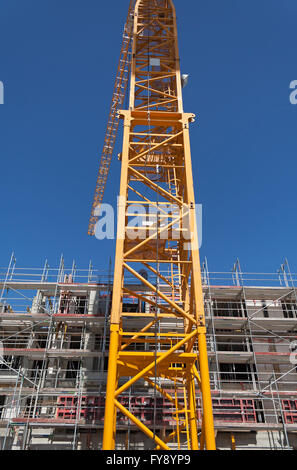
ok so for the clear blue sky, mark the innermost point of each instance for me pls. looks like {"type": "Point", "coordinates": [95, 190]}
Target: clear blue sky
{"type": "Point", "coordinates": [57, 62]}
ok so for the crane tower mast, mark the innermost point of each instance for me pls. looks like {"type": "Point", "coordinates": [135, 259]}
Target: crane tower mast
{"type": "Point", "coordinates": [163, 344]}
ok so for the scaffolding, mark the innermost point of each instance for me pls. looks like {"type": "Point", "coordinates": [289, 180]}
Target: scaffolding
{"type": "Point", "coordinates": [55, 337]}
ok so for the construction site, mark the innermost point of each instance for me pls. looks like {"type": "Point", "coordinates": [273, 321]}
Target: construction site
{"type": "Point", "coordinates": [156, 351]}
{"type": "Point", "coordinates": [55, 334]}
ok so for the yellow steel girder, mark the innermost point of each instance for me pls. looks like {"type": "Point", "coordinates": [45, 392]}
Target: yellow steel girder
{"type": "Point", "coordinates": [157, 173]}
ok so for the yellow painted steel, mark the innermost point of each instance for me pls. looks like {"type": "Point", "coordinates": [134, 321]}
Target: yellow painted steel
{"type": "Point", "coordinates": [160, 359]}
{"type": "Point", "coordinates": [233, 442]}
{"type": "Point", "coordinates": [156, 171]}
{"type": "Point", "coordinates": [208, 425]}
{"type": "Point", "coordinates": [192, 412]}
{"type": "Point", "coordinates": [108, 436]}
{"type": "Point", "coordinates": [141, 426]}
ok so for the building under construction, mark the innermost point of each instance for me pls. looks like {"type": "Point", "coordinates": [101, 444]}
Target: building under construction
{"type": "Point", "coordinates": [55, 335]}
{"type": "Point", "coordinates": [161, 354]}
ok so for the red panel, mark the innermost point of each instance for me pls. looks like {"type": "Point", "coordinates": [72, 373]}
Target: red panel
{"type": "Point", "coordinates": [91, 408]}
{"type": "Point", "coordinates": [232, 410]}
{"type": "Point", "coordinates": [290, 411]}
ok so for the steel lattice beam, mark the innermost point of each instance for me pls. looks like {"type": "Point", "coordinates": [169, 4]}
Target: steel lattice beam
{"type": "Point", "coordinates": [157, 171]}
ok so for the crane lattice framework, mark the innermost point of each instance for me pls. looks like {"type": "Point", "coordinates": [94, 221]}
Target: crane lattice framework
{"type": "Point", "coordinates": [168, 351]}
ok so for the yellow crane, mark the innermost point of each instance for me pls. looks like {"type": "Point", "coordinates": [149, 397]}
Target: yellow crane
{"type": "Point", "coordinates": [162, 345]}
